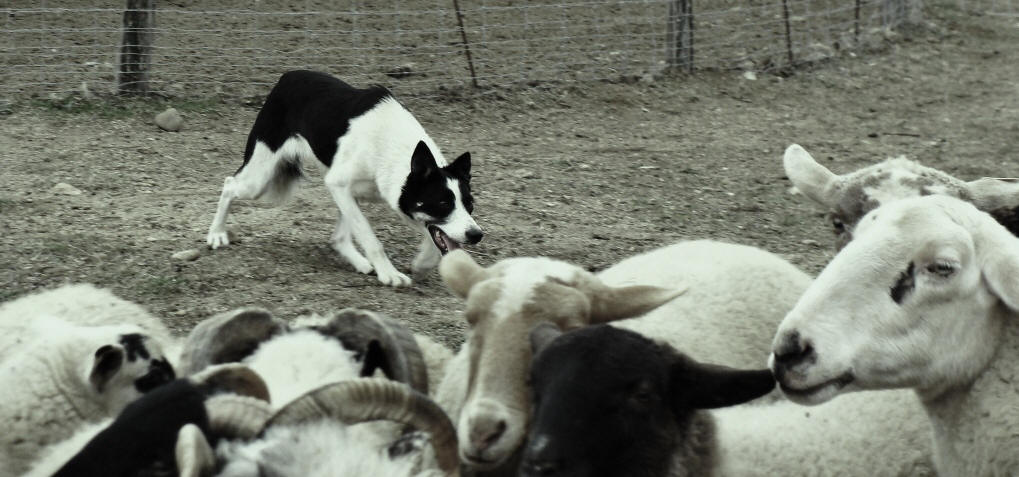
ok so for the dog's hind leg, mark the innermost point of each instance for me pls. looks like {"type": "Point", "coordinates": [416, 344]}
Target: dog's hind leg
{"type": "Point", "coordinates": [427, 258]}
{"type": "Point", "coordinates": [352, 217]}
{"type": "Point", "coordinates": [343, 243]}
{"type": "Point", "coordinates": [250, 182]}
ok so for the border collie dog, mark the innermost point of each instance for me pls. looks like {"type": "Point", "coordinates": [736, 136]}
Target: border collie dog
{"type": "Point", "coordinates": [370, 147]}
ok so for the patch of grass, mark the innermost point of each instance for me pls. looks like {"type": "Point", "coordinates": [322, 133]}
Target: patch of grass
{"type": "Point", "coordinates": [121, 108]}
{"type": "Point", "coordinates": [162, 285]}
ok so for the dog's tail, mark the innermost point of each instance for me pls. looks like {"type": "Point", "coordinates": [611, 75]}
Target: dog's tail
{"type": "Point", "coordinates": [281, 187]}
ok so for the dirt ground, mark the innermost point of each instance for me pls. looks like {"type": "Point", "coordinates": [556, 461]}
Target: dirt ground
{"type": "Point", "coordinates": [589, 173]}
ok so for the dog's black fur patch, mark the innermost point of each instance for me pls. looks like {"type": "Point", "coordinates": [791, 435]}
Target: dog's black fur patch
{"type": "Point", "coordinates": [315, 105]}
{"type": "Point", "coordinates": [426, 189]}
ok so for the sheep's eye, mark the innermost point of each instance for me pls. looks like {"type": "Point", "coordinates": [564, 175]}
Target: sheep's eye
{"type": "Point", "coordinates": [941, 268]}
{"type": "Point", "coordinates": [838, 224]}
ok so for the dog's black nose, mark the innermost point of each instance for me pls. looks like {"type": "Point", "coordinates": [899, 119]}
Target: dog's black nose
{"type": "Point", "coordinates": [474, 236]}
{"type": "Point", "coordinates": [792, 351]}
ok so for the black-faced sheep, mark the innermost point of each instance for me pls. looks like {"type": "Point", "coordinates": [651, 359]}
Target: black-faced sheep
{"type": "Point", "coordinates": [610, 402]}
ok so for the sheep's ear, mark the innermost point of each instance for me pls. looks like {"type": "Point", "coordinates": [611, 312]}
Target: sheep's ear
{"type": "Point", "coordinates": [375, 358]}
{"type": "Point", "coordinates": [610, 304]}
{"type": "Point", "coordinates": [811, 178]}
{"type": "Point", "coordinates": [990, 194]}
{"type": "Point", "coordinates": [460, 272]}
{"type": "Point", "coordinates": [542, 334]}
{"type": "Point", "coordinates": [705, 386]}
{"type": "Point", "coordinates": [227, 338]}
{"type": "Point", "coordinates": [998, 253]}
{"type": "Point", "coordinates": [108, 360]}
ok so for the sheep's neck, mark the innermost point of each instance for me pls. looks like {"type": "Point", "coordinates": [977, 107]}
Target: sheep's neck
{"type": "Point", "coordinates": [696, 451]}
{"type": "Point", "coordinates": [976, 425]}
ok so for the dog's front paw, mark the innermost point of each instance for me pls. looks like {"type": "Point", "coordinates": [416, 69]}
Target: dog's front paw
{"type": "Point", "coordinates": [393, 278]}
{"type": "Point", "coordinates": [217, 238]}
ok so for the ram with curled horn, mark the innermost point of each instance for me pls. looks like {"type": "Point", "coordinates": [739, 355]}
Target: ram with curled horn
{"type": "Point", "coordinates": [312, 351]}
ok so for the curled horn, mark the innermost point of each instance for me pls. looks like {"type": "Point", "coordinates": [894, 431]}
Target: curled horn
{"type": "Point", "coordinates": [401, 357]}
{"type": "Point", "coordinates": [237, 417]}
{"type": "Point", "coordinates": [368, 399]}
{"type": "Point", "coordinates": [232, 378]}
{"type": "Point", "coordinates": [228, 338]}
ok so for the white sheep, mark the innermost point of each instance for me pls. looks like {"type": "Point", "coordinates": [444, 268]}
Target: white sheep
{"type": "Point", "coordinates": [718, 301]}
{"type": "Point", "coordinates": [68, 376]}
{"type": "Point", "coordinates": [849, 196]}
{"type": "Point", "coordinates": [82, 304]}
{"type": "Point", "coordinates": [925, 297]}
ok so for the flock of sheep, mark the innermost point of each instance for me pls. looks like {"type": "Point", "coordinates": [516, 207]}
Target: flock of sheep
{"type": "Point", "coordinates": [906, 346]}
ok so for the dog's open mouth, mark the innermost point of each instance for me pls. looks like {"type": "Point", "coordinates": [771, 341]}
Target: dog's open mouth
{"type": "Point", "coordinates": [441, 240]}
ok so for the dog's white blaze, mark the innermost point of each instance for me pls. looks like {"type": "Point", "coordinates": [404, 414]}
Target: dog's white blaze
{"type": "Point", "coordinates": [459, 221]}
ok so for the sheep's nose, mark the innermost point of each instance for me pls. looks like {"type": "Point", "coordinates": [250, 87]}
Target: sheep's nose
{"type": "Point", "coordinates": [486, 432]}
{"type": "Point", "coordinates": [474, 236]}
{"type": "Point", "coordinates": [792, 351]}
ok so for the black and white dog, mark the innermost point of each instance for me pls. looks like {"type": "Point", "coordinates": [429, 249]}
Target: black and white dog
{"type": "Point", "coordinates": [370, 147]}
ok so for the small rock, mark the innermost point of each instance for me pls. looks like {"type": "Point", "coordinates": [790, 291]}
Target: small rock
{"type": "Point", "coordinates": [169, 120]}
{"type": "Point", "coordinates": [64, 188]}
{"type": "Point", "coordinates": [810, 242]}
{"type": "Point", "coordinates": [647, 78]}
{"type": "Point", "coordinates": [401, 71]}
{"type": "Point", "coordinates": [187, 255]}
{"type": "Point", "coordinates": [750, 76]}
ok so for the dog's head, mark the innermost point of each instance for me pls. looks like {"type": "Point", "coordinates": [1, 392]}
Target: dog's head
{"type": "Point", "coordinates": [440, 198]}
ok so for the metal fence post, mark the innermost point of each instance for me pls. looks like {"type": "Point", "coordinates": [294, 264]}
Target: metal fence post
{"type": "Point", "coordinates": [136, 47]}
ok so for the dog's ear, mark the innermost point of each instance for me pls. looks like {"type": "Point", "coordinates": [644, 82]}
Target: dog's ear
{"type": "Point", "coordinates": [422, 162]}
{"type": "Point", "coordinates": [461, 167]}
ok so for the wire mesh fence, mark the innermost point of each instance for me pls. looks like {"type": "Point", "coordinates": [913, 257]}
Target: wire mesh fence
{"type": "Point", "coordinates": [1008, 8]}
{"type": "Point", "coordinates": [235, 48]}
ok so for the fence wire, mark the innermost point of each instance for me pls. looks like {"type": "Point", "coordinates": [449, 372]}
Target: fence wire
{"type": "Point", "coordinates": [1007, 8]}
{"type": "Point", "coordinates": [235, 48]}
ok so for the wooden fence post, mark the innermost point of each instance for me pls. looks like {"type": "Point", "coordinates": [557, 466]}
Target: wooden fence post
{"type": "Point", "coordinates": [136, 47]}
{"type": "Point", "coordinates": [788, 32]}
{"type": "Point", "coordinates": [679, 35]}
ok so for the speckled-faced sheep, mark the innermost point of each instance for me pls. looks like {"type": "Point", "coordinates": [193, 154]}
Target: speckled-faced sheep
{"type": "Point", "coordinates": [719, 301]}
{"type": "Point", "coordinates": [925, 296]}
{"type": "Point", "coordinates": [849, 196]}
{"type": "Point", "coordinates": [68, 376]}
{"type": "Point", "coordinates": [312, 351]}
{"type": "Point", "coordinates": [610, 402]}
{"type": "Point", "coordinates": [68, 357]}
